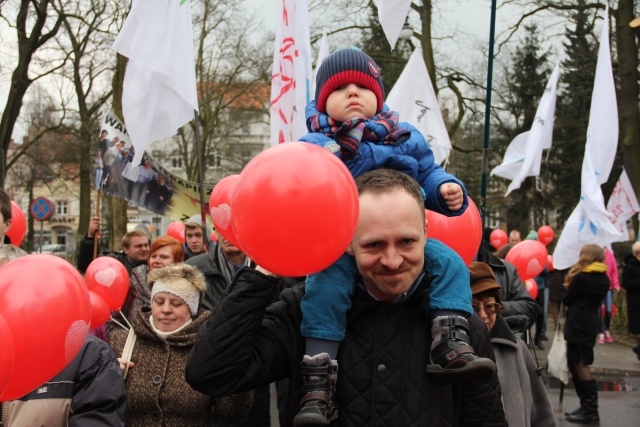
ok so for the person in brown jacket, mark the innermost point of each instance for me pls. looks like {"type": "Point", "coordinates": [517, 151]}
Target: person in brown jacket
{"type": "Point", "coordinates": [157, 391]}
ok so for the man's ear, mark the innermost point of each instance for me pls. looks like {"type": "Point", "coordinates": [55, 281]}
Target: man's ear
{"type": "Point", "coordinates": [426, 225]}
{"type": "Point", "coordinates": [350, 249]}
{"type": "Point", "coordinates": [7, 225]}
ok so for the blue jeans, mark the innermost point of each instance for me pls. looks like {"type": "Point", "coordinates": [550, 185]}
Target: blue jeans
{"type": "Point", "coordinates": [328, 294]}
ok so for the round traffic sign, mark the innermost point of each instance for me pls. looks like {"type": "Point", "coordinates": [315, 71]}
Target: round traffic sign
{"type": "Point", "coordinates": [41, 209]}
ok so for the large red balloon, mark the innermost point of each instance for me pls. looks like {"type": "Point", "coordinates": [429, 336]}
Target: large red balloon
{"type": "Point", "coordinates": [295, 209]}
{"type": "Point", "coordinates": [7, 354]}
{"type": "Point", "coordinates": [532, 288]}
{"type": "Point", "coordinates": [546, 235]}
{"type": "Point", "coordinates": [220, 207]}
{"type": "Point", "coordinates": [100, 312]}
{"type": "Point", "coordinates": [498, 238]}
{"type": "Point", "coordinates": [46, 305]}
{"type": "Point", "coordinates": [461, 233]}
{"type": "Point", "coordinates": [108, 278]}
{"type": "Point", "coordinates": [529, 258]}
{"type": "Point", "coordinates": [176, 230]}
{"type": "Point", "coordinates": [18, 225]}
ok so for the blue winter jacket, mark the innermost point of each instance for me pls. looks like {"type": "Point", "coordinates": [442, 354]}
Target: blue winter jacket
{"type": "Point", "coordinates": [413, 157]}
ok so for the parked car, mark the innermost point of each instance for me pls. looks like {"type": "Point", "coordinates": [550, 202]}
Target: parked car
{"type": "Point", "coordinates": [59, 250]}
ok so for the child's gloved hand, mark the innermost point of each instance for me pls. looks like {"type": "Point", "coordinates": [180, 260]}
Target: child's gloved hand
{"type": "Point", "coordinates": [453, 195]}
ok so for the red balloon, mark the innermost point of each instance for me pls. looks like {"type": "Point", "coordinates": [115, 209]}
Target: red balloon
{"type": "Point", "coordinates": [100, 312]}
{"type": "Point", "coordinates": [108, 278]}
{"type": "Point", "coordinates": [46, 305]}
{"type": "Point", "coordinates": [498, 238]}
{"type": "Point", "coordinates": [176, 230]}
{"type": "Point", "coordinates": [213, 238]}
{"type": "Point", "coordinates": [18, 225]}
{"type": "Point", "coordinates": [461, 233]}
{"type": "Point", "coordinates": [550, 266]}
{"type": "Point", "coordinates": [220, 207]}
{"type": "Point", "coordinates": [295, 209]}
{"type": "Point", "coordinates": [532, 288]}
{"type": "Point", "coordinates": [529, 258]}
{"type": "Point", "coordinates": [546, 234]}
{"type": "Point", "coordinates": [7, 355]}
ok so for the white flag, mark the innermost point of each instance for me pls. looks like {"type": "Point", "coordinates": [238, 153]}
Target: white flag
{"type": "Point", "coordinates": [623, 205]}
{"type": "Point", "coordinates": [590, 222]}
{"type": "Point", "coordinates": [513, 157]}
{"type": "Point", "coordinates": [291, 77]}
{"type": "Point", "coordinates": [392, 15]}
{"type": "Point", "coordinates": [323, 52]}
{"type": "Point", "coordinates": [159, 93]}
{"type": "Point", "coordinates": [541, 132]}
{"type": "Point", "coordinates": [415, 100]}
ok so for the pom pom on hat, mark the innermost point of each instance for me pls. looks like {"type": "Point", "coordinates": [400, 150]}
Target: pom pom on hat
{"type": "Point", "coordinates": [345, 66]}
{"type": "Point", "coordinates": [482, 278]}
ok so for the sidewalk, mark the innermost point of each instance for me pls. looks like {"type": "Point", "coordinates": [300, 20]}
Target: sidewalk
{"type": "Point", "coordinates": [614, 359]}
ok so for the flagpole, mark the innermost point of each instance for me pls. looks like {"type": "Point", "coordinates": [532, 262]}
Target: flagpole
{"type": "Point", "coordinates": [203, 209]}
{"type": "Point", "coordinates": [487, 117]}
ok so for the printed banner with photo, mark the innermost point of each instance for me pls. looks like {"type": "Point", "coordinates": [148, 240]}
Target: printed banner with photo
{"type": "Point", "coordinates": [148, 184]}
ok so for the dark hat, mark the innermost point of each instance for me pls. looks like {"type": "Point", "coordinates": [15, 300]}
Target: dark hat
{"type": "Point", "coordinates": [345, 66]}
{"type": "Point", "coordinates": [482, 278]}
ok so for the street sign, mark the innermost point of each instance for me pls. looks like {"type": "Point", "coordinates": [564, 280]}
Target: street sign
{"type": "Point", "coordinates": [41, 209]}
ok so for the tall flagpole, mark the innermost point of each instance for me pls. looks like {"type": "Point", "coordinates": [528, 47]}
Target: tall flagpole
{"type": "Point", "coordinates": [487, 117]}
{"type": "Point", "coordinates": [203, 209]}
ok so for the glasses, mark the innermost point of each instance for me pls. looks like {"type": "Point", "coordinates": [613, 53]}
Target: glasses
{"type": "Point", "coordinates": [490, 308]}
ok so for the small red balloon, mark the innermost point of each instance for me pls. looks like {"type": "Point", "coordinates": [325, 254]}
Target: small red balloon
{"type": "Point", "coordinates": [100, 312]}
{"type": "Point", "coordinates": [532, 288]}
{"type": "Point", "coordinates": [529, 258]}
{"type": "Point", "coordinates": [550, 266]}
{"type": "Point", "coordinates": [614, 310]}
{"type": "Point", "coordinates": [18, 227]}
{"type": "Point", "coordinates": [220, 207]}
{"type": "Point", "coordinates": [213, 238]}
{"type": "Point", "coordinates": [461, 233]}
{"type": "Point", "coordinates": [176, 230]}
{"type": "Point", "coordinates": [45, 303]}
{"type": "Point", "coordinates": [546, 235]}
{"type": "Point", "coordinates": [498, 238]}
{"type": "Point", "coordinates": [295, 209]}
{"type": "Point", "coordinates": [108, 278]}
{"type": "Point", "coordinates": [7, 355]}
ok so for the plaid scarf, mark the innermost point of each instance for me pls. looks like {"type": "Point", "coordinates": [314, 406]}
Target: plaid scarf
{"type": "Point", "coordinates": [382, 128]}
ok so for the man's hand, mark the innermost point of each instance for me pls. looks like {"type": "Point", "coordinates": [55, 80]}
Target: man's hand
{"type": "Point", "coordinates": [94, 227]}
{"type": "Point", "coordinates": [453, 195]}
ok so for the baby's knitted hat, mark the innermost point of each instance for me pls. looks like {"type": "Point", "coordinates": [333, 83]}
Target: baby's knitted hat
{"type": "Point", "coordinates": [345, 66]}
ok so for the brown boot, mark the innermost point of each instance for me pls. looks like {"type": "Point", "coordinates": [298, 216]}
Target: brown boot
{"type": "Point", "coordinates": [317, 406]}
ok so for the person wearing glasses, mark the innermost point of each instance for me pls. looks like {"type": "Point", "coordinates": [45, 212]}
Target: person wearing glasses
{"type": "Point", "coordinates": [524, 396]}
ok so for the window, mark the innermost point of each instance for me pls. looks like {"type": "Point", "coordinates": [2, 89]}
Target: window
{"type": "Point", "coordinates": [62, 208]}
{"type": "Point", "coordinates": [214, 160]}
{"type": "Point", "coordinates": [177, 162]}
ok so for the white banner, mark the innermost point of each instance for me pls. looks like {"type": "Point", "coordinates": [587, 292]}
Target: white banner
{"type": "Point", "coordinates": [392, 15]}
{"type": "Point", "coordinates": [623, 205]}
{"type": "Point", "coordinates": [291, 76]}
{"type": "Point", "coordinates": [415, 100]}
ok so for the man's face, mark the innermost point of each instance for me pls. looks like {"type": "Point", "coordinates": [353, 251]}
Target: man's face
{"type": "Point", "coordinates": [138, 249]}
{"type": "Point", "coordinates": [389, 243]}
{"type": "Point", "coordinates": [4, 227]}
{"type": "Point", "coordinates": [195, 240]}
{"type": "Point", "coordinates": [515, 237]}
{"type": "Point", "coordinates": [228, 249]}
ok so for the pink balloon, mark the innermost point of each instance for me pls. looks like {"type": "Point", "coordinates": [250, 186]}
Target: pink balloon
{"type": "Point", "coordinates": [100, 312]}
{"type": "Point", "coordinates": [46, 305]}
{"type": "Point", "coordinates": [220, 207]}
{"type": "Point", "coordinates": [176, 230]}
{"type": "Point", "coordinates": [295, 209]}
{"type": "Point", "coordinates": [529, 258]}
{"type": "Point", "coordinates": [108, 278]}
{"type": "Point", "coordinates": [546, 235]}
{"type": "Point", "coordinates": [18, 227]}
{"type": "Point", "coordinates": [7, 355]}
{"type": "Point", "coordinates": [498, 238]}
{"type": "Point", "coordinates": [532, 288]}
{"type": "Point", "coordinates": [461, 233]}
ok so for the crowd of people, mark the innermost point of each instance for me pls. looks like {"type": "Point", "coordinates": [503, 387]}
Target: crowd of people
{"type": "Point", "coordinates": [398, 331]}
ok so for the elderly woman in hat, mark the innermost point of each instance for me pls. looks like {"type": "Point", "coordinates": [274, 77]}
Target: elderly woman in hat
{"type": "Point", "coordinates": [165, 331]}
{"type": "Point", "coordinates": [524, 396]}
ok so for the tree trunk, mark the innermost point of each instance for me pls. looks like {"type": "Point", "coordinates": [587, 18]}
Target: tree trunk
{"type": "Point", "coordinates": [119, 207]}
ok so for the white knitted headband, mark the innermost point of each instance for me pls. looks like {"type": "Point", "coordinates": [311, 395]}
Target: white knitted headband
{"type": "Point", "coordinates": [181, 288]}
